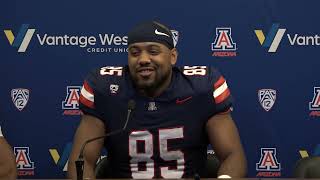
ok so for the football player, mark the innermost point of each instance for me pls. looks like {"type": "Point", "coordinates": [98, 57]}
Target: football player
{"type": "Point", "coordinates": [178, 112]}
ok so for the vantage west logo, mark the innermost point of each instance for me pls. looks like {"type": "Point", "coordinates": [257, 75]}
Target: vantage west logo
{"type": "Point", "coordinates": [316, 152]}
{"type": "Point", "coordinates": [275, 37]}
{"type": "Point", "coordinates": [61, 161]}
{"type": "Point", "coordinates": [23, 38]}
{"type": "Point", "coordinates": [100, 43]}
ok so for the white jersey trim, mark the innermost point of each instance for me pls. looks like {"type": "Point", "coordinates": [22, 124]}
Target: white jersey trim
{"type": "Point", "coordinates": [1, 135]}
{"type": "Point", "coordinates": [87, 94]}
{"type": "Point", "coordinates": [220, 90]}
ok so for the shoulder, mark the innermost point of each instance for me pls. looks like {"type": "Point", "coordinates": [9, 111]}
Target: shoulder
{"type": "Point", "coordinates": [106, 77]}
{"type": "Point", "coordinates": [207, 82]}
{"type": "Point", "coordinates": [106, 73]}
{"type": "Point", "coordinates": [202, 78]}
{"type": "Point", "coordinates": [102, 84]}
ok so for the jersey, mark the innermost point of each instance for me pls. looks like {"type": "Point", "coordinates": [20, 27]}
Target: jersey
{"type": "Point", "coordinates": [165, 136]}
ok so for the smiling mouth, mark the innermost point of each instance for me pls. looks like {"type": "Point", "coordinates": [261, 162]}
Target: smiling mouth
{"type": "Point", "coordinates": [145, 72]}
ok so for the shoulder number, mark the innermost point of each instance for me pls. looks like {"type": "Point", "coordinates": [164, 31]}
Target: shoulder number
{"type": "Point", "coordinates": [111, 70]}
{"type": "Point", "coordinates": [195, 70]}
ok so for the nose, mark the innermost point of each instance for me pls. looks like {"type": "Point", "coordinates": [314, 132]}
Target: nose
{"type": "Point", "coordinates": [144, 58]}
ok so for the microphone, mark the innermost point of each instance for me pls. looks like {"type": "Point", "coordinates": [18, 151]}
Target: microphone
{"type": "Point", "coordinates": [196, 175]}
{"type": "Point", "coordinates": [80, 161]}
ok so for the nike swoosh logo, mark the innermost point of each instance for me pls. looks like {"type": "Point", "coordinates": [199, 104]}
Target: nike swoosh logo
{"type": "Point", "coordinates": [160, 33]}
{"type": "Point", "coordinates": [181, 101]}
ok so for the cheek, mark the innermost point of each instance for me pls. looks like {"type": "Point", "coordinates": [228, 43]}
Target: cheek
{"type": "Point", "coordinates": [164, 61]}
{"type": "Point", "coordinates": [131, 62]}
{"type": "Point", "coordinates": [131, 65]}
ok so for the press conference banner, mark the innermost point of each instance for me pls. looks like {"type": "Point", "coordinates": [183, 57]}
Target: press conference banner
{"type": "Point", "coordinates": [268, 51]}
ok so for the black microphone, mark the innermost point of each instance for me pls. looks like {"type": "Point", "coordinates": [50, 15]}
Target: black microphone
{"type": "Point", "coordinates": [196, 175]}
{"type": "Point", "coordinates": [80, 162]}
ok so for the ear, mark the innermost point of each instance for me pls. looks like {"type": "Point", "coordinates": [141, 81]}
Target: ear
{"type": "Point", "coordinates": [174, 56]}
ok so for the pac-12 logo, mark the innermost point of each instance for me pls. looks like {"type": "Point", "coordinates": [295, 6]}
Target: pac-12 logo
{"type": "Point", "coordinates": [175, 37]}
{"type": "Point", "coordinates": [20, 97]}
{"type": "Point", "coordinates": [314, 105]}
{"type": "Point", "coordinates": [223, 44]}
{"type": "Point", "coordinates": [267, 98]}
{"type": "Point", "coordinates": [24, 164]}
{"type": "Point", "coordinates": [71, 103]}
{"type": "Point", "coordinates": [268, 165]}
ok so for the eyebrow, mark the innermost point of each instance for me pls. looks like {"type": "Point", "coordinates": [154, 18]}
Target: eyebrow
{"type": "Point", "coordinates": [131, 47]}
{"type": "Point", "coordinates": [154, 46]}
{"type": "Point", "coordinates": [147, 46]}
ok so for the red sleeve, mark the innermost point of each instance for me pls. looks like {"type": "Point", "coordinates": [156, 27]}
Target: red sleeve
{"type": "Point", "coordinates": [88, 95]}
{"type": "Point", "coordinates": [220, 92]}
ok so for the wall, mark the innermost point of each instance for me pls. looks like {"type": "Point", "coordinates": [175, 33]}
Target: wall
{"type": "Point", "coordinates": [277, 96]}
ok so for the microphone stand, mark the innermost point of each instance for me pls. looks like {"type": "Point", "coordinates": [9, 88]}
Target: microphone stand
{"type": "Point", "coordinates": [80, 161]}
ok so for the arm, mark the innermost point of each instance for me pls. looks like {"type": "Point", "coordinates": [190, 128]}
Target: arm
{"type": "Point", "coordinates": [223, 136]}
{"type": "Point", "coordinates": [8, 168]}
{"type": "Point", "coordinates": [89, 127]}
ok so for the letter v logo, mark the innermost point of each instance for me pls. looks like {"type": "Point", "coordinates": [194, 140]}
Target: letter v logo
{"type": "Point", "coordinates": [23, 37]}
{"type": "Point", "coordinates": [273, 38]}
{"type": "Point", "coordinates": [316, 152]}
{"type": "Point", "coordinates": [63, 160]}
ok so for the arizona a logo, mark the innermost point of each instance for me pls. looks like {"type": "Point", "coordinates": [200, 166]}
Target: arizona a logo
{"type": "Point", "coordinates": [24, 164]}
{"type": "Point", "coordinates": [268, 163]}
{"type": "Point", "coordinates": [223, 44]}
{"type": "Point", "coordinates": [72, 98]}
{"type": "Point", "coordinates": [20, 97]}
{"type": "Point", "coordinates": [71, 102]}
{"type": "Point", "coordinates": [267, 98]}
{"type": "Point", "coordinates": [314, 105]}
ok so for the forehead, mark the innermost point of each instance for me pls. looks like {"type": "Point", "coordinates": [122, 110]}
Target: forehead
{"type": "Point", "coordinates": [143, 45]}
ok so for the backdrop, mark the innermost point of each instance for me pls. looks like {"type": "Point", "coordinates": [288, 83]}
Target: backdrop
{"type": "Point", "coordinates": [268, 50]}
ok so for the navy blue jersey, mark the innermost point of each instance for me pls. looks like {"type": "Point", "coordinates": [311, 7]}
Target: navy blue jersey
{"type": "Point", "coordinates": [165, 136]}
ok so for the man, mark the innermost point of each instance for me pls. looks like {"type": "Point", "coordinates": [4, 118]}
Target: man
{"type": "Point", "coordinates": [178, 112]}
{"type": "Point", "coordinates": [8, 168]}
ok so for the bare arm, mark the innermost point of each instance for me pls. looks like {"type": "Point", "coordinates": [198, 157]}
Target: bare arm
{"type": "Point", "coordinates": [89, 127]}
{"type": "Point", "coordinates": [8, 168]}
{"type": "Point", "coordinates": [224, 138]}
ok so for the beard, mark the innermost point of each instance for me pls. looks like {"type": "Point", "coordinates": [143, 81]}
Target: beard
{"type": "Point", "coordinates": [151, 83]}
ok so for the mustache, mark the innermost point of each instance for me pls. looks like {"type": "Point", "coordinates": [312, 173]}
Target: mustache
{"type": "Point", "coordinates": [141, 67]}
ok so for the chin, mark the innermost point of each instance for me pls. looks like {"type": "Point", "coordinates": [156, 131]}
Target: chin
{"type": "Point", "coordinates": [145, 85]}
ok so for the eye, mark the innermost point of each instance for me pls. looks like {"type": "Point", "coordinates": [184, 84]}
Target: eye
{"type": "Point", "coordinates": [154, 52]}
{"type": "Point", "coordinates": [134, 52]}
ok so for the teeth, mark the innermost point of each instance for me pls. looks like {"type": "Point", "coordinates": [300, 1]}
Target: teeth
{"type": "Point", "coordinates": [145, 70]}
